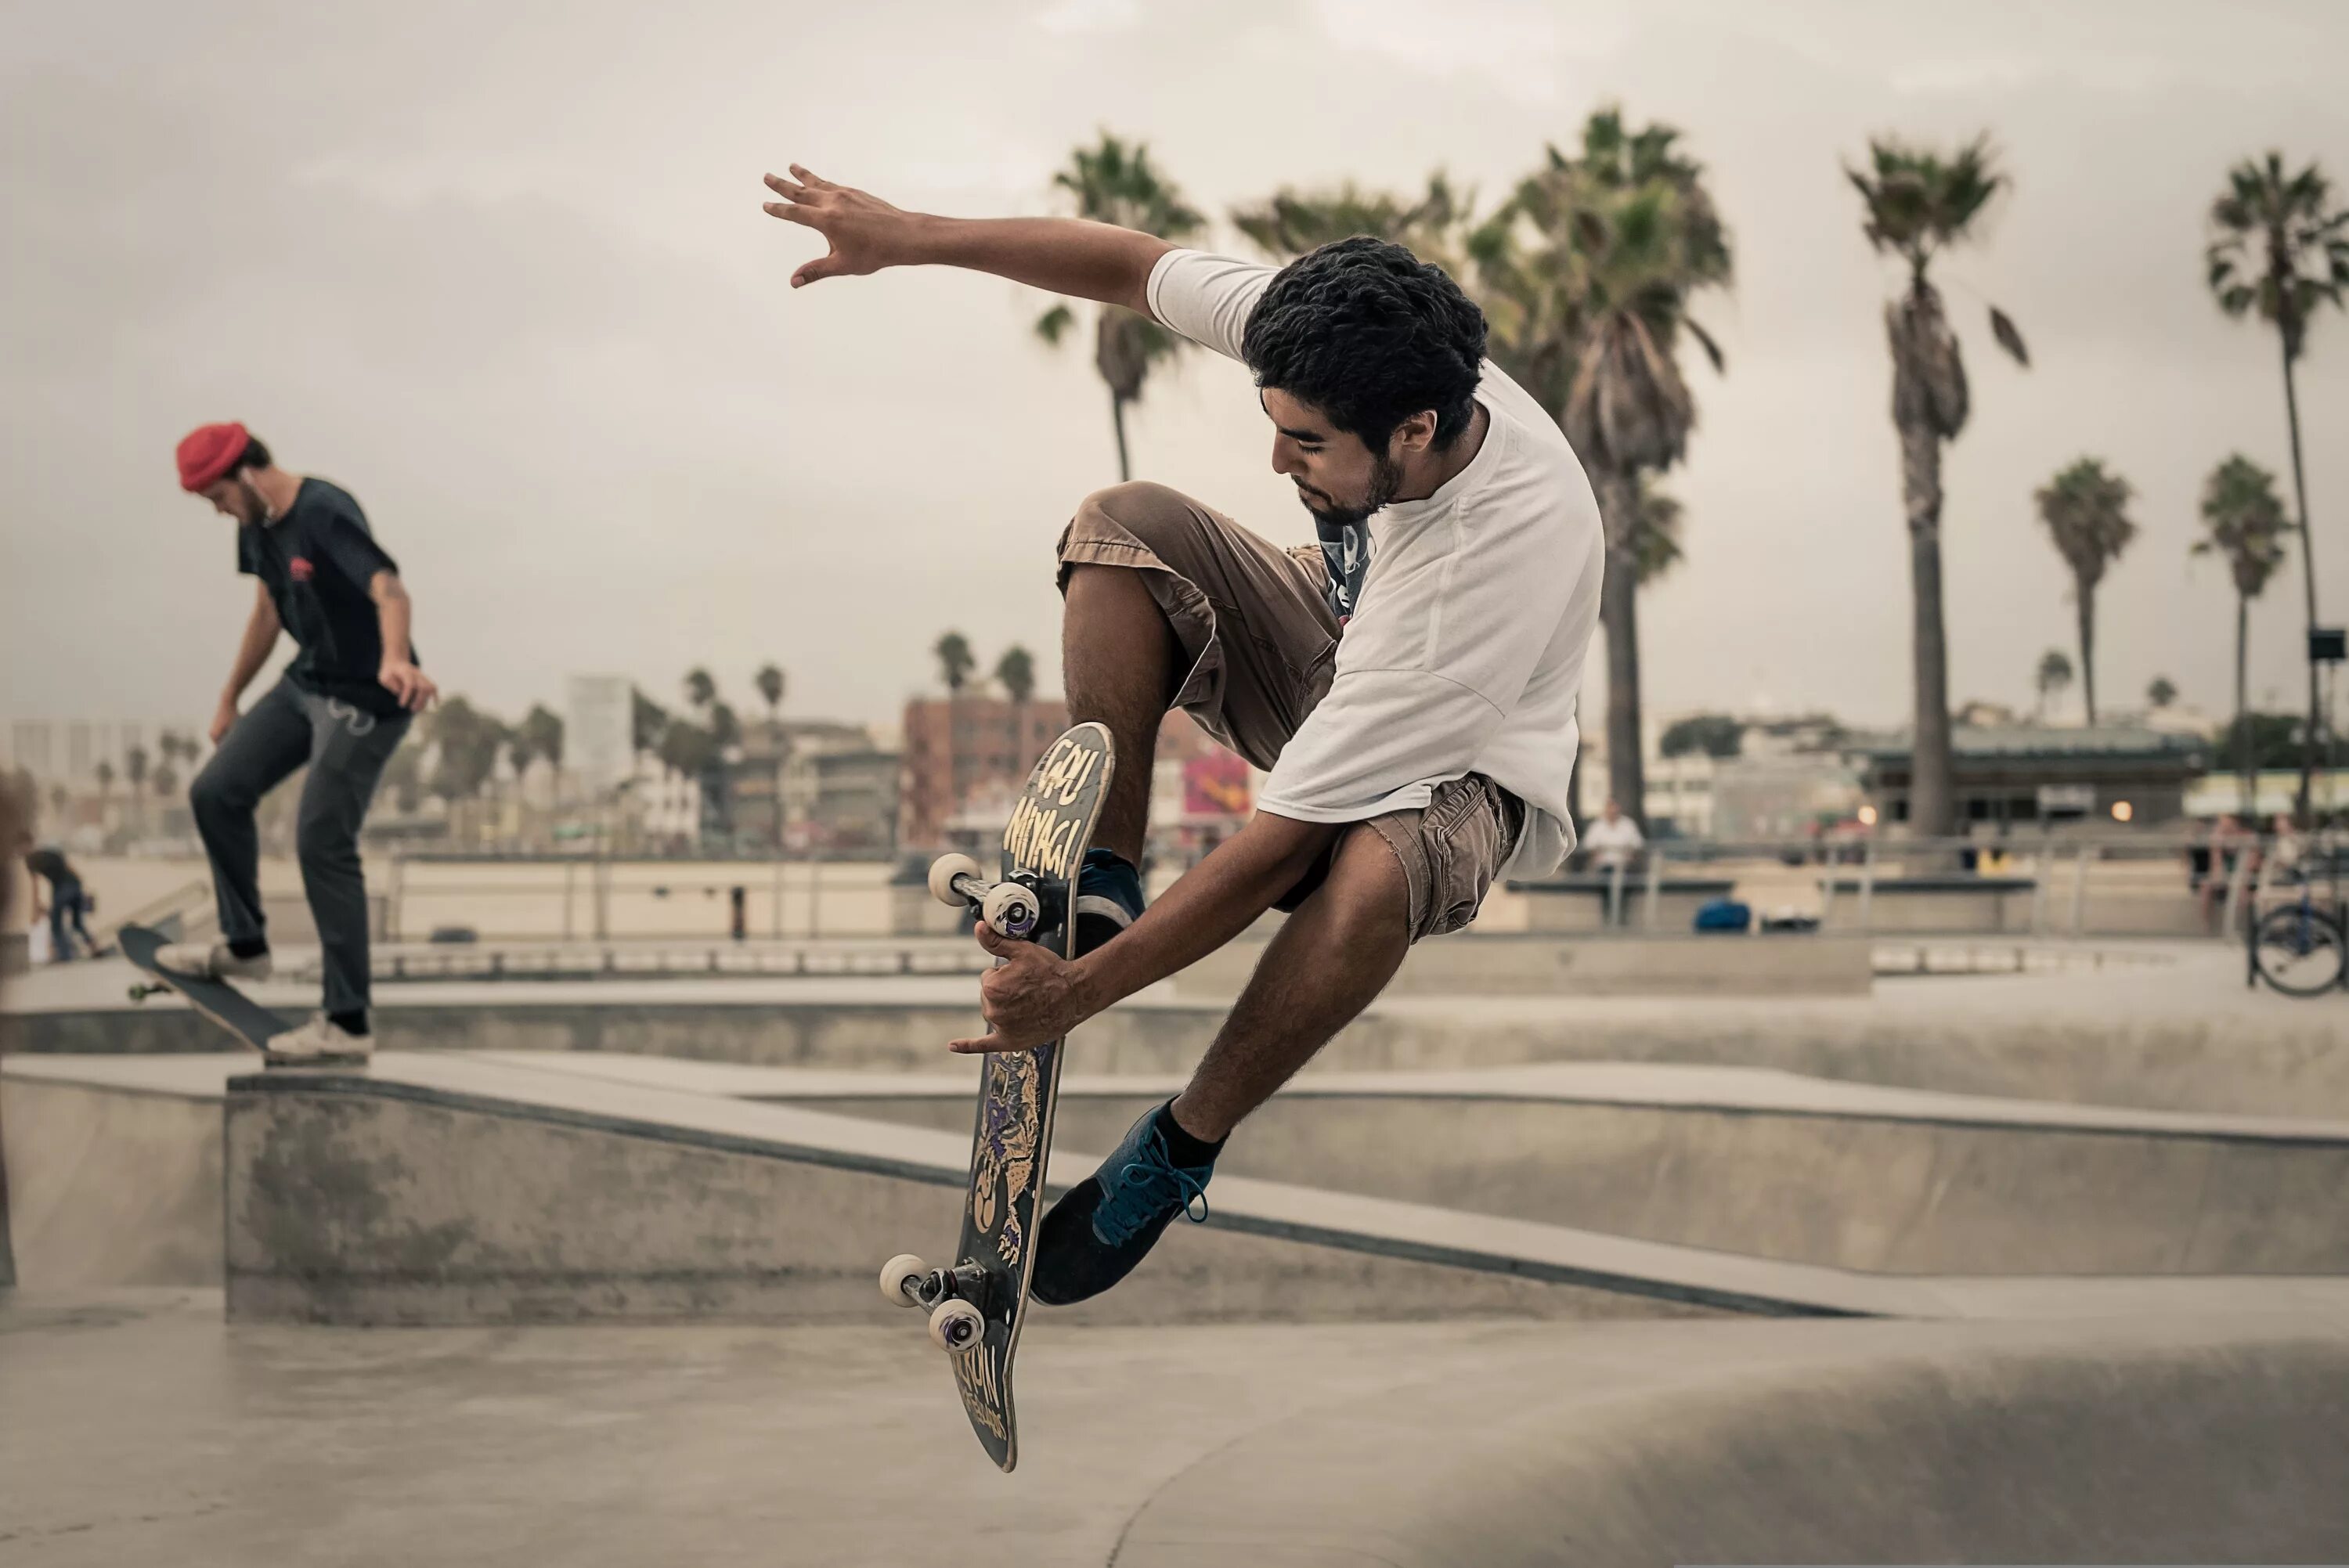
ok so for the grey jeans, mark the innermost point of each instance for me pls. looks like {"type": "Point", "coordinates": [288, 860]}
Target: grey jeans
{"type": "Point", "coordinates": [345, 750]}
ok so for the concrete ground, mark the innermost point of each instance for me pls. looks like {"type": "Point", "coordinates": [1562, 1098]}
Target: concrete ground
{"type": "Point", "coordinates": [138, 1428]}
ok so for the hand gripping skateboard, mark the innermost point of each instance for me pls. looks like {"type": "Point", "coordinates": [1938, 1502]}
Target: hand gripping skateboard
{"type": "Point", "coordinates": [978, 1304]}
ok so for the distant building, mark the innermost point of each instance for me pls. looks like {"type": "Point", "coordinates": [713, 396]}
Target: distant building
{"type": "Point", "coordinates": [2026, 773]}
{"type": "Point", "coordinates": [962, 750]}
{"type": "Point", "coordinates": [841, 797]}
{"type": "Point", "coordinates": [599, 746]}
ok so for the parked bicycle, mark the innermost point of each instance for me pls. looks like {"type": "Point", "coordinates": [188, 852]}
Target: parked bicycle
{"type": "Point", "coordinates": [2301, 947]}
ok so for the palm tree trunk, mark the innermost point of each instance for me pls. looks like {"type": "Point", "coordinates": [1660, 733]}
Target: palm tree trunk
{"type": "Point", "coordinates": [2303, 806]}
{"type": "Point", "coordinates": [1932, 805]}
{"type": "Point", "coordinates": [1627, 773]}
{"type": "Point", "coordinates": [1117, 416]}
{"type": "Point", "coordinates": [2086, 597]}
{"type": "Point", "coordinates": [2245, 769]}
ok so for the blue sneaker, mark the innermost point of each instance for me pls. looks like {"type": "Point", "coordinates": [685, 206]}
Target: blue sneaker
{"type": "Point", "coordinates": [1108, 1222]}
{"type": "Point", "coordinates": [1109, 897]}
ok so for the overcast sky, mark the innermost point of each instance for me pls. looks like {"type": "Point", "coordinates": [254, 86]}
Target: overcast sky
{"type": "Point", "coordinates": [500, 271]}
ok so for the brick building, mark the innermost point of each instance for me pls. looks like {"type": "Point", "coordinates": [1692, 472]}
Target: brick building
{"type": "Point", "coordinates": [957, 748]}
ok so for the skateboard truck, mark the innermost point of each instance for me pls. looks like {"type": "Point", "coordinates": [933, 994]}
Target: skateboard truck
{"type": "Point", "coordinates": [146, 988]}
{"type": "Point", "coordinates": [1020, 907]}
{"type": "Point", "coordinates": [954, 1297]}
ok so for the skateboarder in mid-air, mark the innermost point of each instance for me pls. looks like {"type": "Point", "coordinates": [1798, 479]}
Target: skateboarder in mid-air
{"type": "Point", "coordinates": [341, 707]}
{"type": "Point", "coordinates": [1409, 685]}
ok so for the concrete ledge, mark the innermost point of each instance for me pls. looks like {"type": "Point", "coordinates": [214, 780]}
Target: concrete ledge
{"type": "Point", "coordinates": [436, 1190]}
{"type": "Point", "coordinates": [2103, 1443]}
{"type": "Point", "coordinates": [1605, 965]}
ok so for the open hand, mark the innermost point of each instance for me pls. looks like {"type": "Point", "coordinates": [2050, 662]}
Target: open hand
{"type": "Point", "coordinates": [1033, 997]}
{"type": "Point", "coordinates": [865, 233]}
{"type": "Point", "coordinates": [411, 686]}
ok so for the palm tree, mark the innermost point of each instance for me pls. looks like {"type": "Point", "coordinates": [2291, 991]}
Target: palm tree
{"type": "Point", "coordinates": [2279, 249]}
{"type": "Point", "coordinates": [700, 690]}
{"type": "Point", "coordinates": [134, 773]}
{"type": "Point", "coordinates": [2161, 693]}
{"type": "Point", "coordinates": [1586, 275]}
{"type": "Point", "coordinates": [1919, 204]}
{"type": "Point", "coordinates": [2085, 509]}
{"type": "Point", "coordinates": [1289, 222]}
{"type": "Point", "coordinates": [105, 772]}
{"type": "Point", "coordinates": [956, 661]}
{"type": "Point", "coordinates": [1116, 183]}
{"type": "Point", "coordinates": [2055, 678]}
{"type": "Point", "coordinates": [2243, 520]}
{"type": "Point", "coordinates": [770, 682]}
{"type": "Point", "coordinates": [1015, 672]}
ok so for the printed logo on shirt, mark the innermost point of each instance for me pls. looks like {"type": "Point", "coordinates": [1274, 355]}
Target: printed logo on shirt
{"type": "Point", "coordinates": [1346, 551]}
{"type": "Point", "coordinates": [300, 569]}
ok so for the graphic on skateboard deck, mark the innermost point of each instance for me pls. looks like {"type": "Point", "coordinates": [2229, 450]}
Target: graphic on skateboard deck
{"type": "Point", "coordinates": [978, 1304]}
{"type": "Point", "coordinates": [218, 1000]}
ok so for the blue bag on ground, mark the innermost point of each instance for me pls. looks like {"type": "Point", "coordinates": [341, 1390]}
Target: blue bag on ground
{"type": "Point", "coordinates": [1723, 914]}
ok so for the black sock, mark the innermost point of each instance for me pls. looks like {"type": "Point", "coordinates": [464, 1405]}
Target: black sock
{"type": "Point", "coordinates": [1181, 1147]}
{"type": "Point", "coordinates": [250, 947]}
{"type": "Point", "coordinates": [351, 1023]}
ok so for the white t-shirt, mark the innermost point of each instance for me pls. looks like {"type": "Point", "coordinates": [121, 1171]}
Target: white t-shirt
{"type": "Point", "coordinates": [1466, 648]}
{"type": "Point", "coordinates": [1613, 844]}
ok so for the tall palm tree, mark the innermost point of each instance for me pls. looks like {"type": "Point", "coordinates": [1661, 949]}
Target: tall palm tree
{"type": "Point", "coordinates": [134, 773]}
{"type": "Point", "coordinates": [770, 682]}
{"type": "Point", "coordinates": [700, 689]}
{"type": "Point", "coordinates": [2243, 520]}
{"type": "Point", "coordinates": [1586, 273]}
{"type": "Point", "coordinates": [956, 661]}
{"type": "Point", "coordinates": [1015, 672]}
{"type": "Point", "coordinates": [2085, 509]}
{"type": "Point", "coordinates": [1919, 204]}
{"type": "Point", "coordinates": [1113, 182]}
{"type": "Point", "coordinates": [1290, 222]}
{"type": "Point", "coordinates": [2053, 678]}
{"type": "Point", "coordinates": [2280, 250]}
{"type": "Point", "coordinates": [2161, 692]}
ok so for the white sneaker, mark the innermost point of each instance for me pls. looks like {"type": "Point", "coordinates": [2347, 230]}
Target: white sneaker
{"type": "Point", "coordinates": [212, 962]}
{"type": "Point", "coordinates": [321, 1039]}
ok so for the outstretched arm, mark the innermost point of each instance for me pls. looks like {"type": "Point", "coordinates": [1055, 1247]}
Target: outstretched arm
{"type": "Point", "coordinates": [261, 629]}
{"type": "Point", "coordinates": [1063, 256]}
{"type": "Point", "coordinates": [398, 674]}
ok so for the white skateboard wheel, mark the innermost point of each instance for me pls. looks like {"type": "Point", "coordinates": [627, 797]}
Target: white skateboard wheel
{"type": "Point", "coordinates": [1011, 909]}
{"type": "Point", "coordinates": [943, 871]}
{"type": "Point", "coordinates": [957, 1326]}
{"type": "Point", "coordinates": [898, 1273]}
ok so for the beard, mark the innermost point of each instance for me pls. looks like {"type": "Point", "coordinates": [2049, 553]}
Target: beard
{"type": "Point", "coordinates": [1386, 477]}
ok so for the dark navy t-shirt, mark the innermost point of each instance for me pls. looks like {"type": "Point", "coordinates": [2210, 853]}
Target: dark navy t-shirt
{"type": "Point", "coordinates": [316, 562]}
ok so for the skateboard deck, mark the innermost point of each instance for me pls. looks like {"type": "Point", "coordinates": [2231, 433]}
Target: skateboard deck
{"type": "Point", "coordinates": [218, 1000]}
{"type": "Point", "coordinates": [981, 1300]}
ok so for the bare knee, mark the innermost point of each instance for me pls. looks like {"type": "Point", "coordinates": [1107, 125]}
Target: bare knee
{"type": "Point", "coordinates": [1366, 897]}
{"type": "Point", "coordinates": [1152, 512]}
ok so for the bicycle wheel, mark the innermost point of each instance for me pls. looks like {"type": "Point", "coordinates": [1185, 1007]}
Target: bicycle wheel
{"type": "Point", "coordinates": [2299, 951]}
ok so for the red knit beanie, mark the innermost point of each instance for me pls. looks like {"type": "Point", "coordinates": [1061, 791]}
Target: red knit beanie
{"type": "Point", "coordinates": [208, 452]}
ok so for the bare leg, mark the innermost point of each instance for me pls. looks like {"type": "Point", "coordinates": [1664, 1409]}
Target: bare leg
{"type": "Point", "coordinates": [1331, 958]}
{"type": "Point", "coordinates": [1120, 660]}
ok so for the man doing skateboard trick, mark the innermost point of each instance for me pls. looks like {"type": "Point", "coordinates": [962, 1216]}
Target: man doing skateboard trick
{"type": "Point", "coordinates": [1410, 686]}
{"type": "Point", "coordinates": [341, 707]}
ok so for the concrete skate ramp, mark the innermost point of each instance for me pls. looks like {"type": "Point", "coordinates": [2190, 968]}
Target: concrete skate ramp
{"type": "Point", "coordinates": [2182, 1041]}
{"type": "Point", "coordinates": [1756, 1161]}
{"type": "Point", "coordinates": [437, 1189]}
{"type": "Point", "coordinates": [116, 1184]}
{"type": "Point", "coordinates": [2102, 1442]}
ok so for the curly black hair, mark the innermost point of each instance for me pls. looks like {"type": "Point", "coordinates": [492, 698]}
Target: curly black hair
{"type": "Point", "coordinates": [1370, 335]}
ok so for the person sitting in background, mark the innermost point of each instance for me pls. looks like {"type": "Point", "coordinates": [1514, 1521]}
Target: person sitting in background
{"type": "Point", "coordinates": [2220, 850]}
{"type": "Point", "coordinates": [1614, 839]}
{"type": "Point", "coordinates": [2280, 857]}
{"type": "Point", "coordinates": [67, 903]}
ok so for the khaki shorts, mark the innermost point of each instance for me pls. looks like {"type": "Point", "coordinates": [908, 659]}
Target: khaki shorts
{"type": "Point", "coordinates": [1262, 645]}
